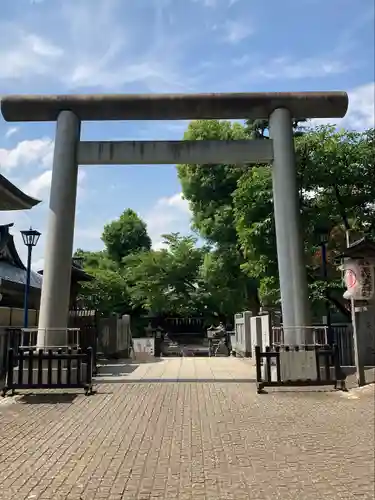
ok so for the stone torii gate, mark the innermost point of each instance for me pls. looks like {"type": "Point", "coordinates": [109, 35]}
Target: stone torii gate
{"type": "Point", "coordinates": [70, 110]}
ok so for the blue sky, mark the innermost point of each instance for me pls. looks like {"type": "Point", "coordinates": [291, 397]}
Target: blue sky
{"type": "Point", "coordinates": [88, 46]}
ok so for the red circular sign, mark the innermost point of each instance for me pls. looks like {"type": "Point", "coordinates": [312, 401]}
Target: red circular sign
{"type": "Point", "coordinates": [350, 278]}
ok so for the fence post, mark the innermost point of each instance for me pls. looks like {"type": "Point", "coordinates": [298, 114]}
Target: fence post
{"type": "Point", "coordinates": [79, 365]}
{"type": "Point", "coordinates": [258, 369]}
{"type": "Point", "coordinates": [40, 366]}
{"type": "Point", "coordinates": [268, 365]}
{"type": "Point", "coordinates": [9, 373]}
{"type": "Point", "coordinates": [20, 356]}
{"type": "Point", "coordinates": [317, 360]}
{"type": "Point", "coordinates": [339, 376]}
{"type": "Point", "coordinates": [278, 367]}
{"type": "Point", "coordinates": [30, 358]}
{"type": "Point", "coordinates": [59, 367]}
{"type": "Point", "coordinates": [89, 368]}
{"type": "Point", "coordinates": [69, 368]}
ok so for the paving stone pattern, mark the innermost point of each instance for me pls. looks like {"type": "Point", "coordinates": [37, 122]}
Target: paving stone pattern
{"type": "Point", "coordinates": [187, 440]}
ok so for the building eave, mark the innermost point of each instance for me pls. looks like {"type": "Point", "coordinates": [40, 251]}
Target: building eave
{"type": "Point", "coordinates": [12, 198]}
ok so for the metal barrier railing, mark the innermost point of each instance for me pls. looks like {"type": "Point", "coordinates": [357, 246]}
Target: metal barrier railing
{"type": "Point", "coordinates": [29, 337]}
{"type": "Point", "coordinates": [25, 339]}
{"type": "Point", "coordinates": [51, 369]}
{"type": "Point", "coordinates": [323, 367]}
{"type": "Point", "coordinates": [341, 334]}
{"type": "Point", "coordinates": [316, 335]}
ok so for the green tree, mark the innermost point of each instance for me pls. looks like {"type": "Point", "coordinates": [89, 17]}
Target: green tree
{"type": "Point", "coordinates": [258, 129]}
{"type": "Point", "coordinates": [335, 174]}
{"type": "Point", "coordinates": [125, 235]}
{"type": "Point", "coordinates": [165, 281]}
{"type": "Point", "coordinates": [209, 190]}
{"type": "Point", "coordinates": [224, 289]}
{"type": "Point", "coordinates": [232, 205]}
{"type": "Point", "coordinates": [108, 291]}
{"type": "Point", "coordinates": [254, 222]}
{"type": "Point", "coordinates": [95, 260]}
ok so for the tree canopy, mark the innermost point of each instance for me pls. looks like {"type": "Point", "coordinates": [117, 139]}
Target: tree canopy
{"type": "Point", "coordinates": [125, 236]}
{"type": "Point", "coordinates": [232, 205]}
{"type": "Point", "coordinates": [232, 211]}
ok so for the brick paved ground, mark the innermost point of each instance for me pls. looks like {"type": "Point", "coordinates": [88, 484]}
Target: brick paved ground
{"type": "Point", "coordinates": [188, 440]}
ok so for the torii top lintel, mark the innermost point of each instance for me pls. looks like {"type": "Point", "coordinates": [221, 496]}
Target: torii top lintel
{"type": "Point", "coordinates": [28, 108]}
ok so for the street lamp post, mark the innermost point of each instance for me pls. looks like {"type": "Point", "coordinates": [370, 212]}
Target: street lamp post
{"type": "Point", "coordinates": [30, 238]}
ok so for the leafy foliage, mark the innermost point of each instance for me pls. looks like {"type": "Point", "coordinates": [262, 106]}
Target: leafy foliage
{"type": "Point", "coordinates": [108, 291]}
{"type": "Point", "coordinates": [328, 162]}
{"type": "Point", "coordinates": [165, 281]}
{"type": "Point", "coordinates": [209, 188]}
{"type": "Point", "coordinates": [125, 236]}
{"type": "Point", "coordinates": [232, 211]}
{"type": "Point", "coordinates": [233, 205]}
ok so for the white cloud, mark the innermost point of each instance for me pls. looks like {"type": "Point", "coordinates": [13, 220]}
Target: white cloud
{"type": "Point", "coordinates": [11, 131]}
{"type": "Point", "coordinates": [25, 54]}
{"type": "Point", "coordinates": [215, 3]}
{"type": "Point", "coordinates": [101, 49]}
{"type": "Point", "coordinates": [93, 233]}
{"type": "Point", "coordinates": [102, 74]}
{"type": "Point", "coordinates": [39, 186]}
{"type": "Point", "coordinates": [27, 152]}
{"type": "Point", "coordinates": [207, 3]}
{"type": "Point", "coordinates": [361, 111]}
{"type": "Point", "coordinates": [176, 201]}
{"type": "Point", "coordinates": [170, 214]}
{"type": "Point", "coordinates": [236, 31]}
{"type": "Point", "coordinates": [285, 68]}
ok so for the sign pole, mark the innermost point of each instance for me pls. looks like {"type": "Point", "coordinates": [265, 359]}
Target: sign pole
{"type": "Point", "coordinates": [359, 366]}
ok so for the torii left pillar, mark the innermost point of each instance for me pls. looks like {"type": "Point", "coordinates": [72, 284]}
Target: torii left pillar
{"type": "Point", "coordinates": [54, 306]}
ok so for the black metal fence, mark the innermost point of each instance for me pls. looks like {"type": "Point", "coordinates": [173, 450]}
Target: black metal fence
{"type": "Point", "coordinates": [328, 368]}
{"type": "Point", "coordinates": [49, 370]}
{"type": "Point", "coordinates": [10, 338]}
{"type": "Point", "coordinates": [87, 322]}
{"type": "Point", "coordinates": [16, 337]}
{"type": "Point", "coordinates": [341, 333]}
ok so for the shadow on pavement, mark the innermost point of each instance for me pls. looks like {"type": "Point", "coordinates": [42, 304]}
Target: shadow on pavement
{"type": "Point", "coordinates": [116, 369]}
{"type": "Point", "coordinates": [47, 398]}
{"type": "Point", "coordinates": [108, 380]}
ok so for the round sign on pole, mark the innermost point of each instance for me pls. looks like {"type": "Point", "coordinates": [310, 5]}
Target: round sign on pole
{"type": "Point", "coordinates": [350, 278]}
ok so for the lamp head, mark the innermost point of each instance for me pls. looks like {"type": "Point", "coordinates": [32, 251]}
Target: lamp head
{"type": "Point", "coordinates": [30, 237]}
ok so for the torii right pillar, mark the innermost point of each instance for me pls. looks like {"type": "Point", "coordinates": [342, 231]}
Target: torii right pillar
{"type": "Point", "coordinates": [289, 238]}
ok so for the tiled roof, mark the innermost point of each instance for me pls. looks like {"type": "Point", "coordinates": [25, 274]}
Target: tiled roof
{"type": "Point", "coordinates": [11, 266]}
{"type": "Point", "coordinates": [12, 198]}
{"type": "Point", "coordinates": [16, 275]}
